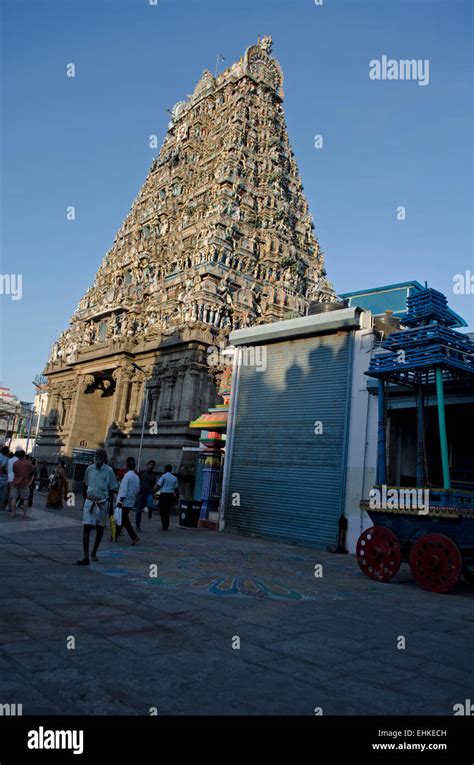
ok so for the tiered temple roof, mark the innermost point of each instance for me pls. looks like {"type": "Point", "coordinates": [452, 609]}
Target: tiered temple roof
{"type": "Point", "coordinates": [220, 233]}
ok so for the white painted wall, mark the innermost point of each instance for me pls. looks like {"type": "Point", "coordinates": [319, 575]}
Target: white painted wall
{"type": "Point", "coordinates": [362, 436]}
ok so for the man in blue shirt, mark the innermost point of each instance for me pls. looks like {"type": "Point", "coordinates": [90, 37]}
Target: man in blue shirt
{"type": "Point", "coordinates": [169, 494]}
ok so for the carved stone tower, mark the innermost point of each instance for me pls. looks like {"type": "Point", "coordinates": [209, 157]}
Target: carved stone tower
{"type": "Point", "coordinates": [219, 237]}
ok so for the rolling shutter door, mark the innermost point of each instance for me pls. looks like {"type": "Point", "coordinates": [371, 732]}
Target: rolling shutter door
{"type": "Point", "coordinates": [289, 480]}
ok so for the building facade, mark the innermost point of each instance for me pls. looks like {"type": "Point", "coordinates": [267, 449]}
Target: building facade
{"type": "Point", "coordinates": [301, 439]}
{"type": "Point", "coordinates": [302, 430]}
{"type": "Point", "coordinates": [17, 421]}
{"type": "Point", "coordinates": [220, 237]}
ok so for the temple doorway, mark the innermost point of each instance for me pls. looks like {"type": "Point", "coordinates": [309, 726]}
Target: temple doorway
{"type": "Point", "coordinates": [92, 420]}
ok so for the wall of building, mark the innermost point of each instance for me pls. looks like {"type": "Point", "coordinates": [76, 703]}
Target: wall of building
{"type": "Point", "coordinates": [356, 452]}
{"type": "Point", "coordinates": [101, 400]}
{"type": "Point", "coordinates": [362, 440]}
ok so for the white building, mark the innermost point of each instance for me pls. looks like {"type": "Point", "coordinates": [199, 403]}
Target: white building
{"type": "Point", "coordinates": [301, 441]}
{"type": "Point", "coordinates": [302, 431]}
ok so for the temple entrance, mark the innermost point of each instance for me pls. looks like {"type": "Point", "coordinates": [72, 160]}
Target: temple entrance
{"type": "Point", "coordinates": [92, 420]}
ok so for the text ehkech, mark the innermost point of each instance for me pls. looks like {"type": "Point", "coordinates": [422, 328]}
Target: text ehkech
{"type": "Point", "coordinates": [56, 739]}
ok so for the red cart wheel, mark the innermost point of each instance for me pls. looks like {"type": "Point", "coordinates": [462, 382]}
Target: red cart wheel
{"type": "Point", "coordinates": [378, 553]}
{"type": "Point", "coordinates": [436, 562]}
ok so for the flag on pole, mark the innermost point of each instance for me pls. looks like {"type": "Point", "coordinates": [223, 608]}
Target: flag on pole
{"type": "Point", "coordinates": [220, 57]}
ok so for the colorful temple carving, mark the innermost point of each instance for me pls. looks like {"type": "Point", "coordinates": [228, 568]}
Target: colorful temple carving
{"type": "Point", "coordinates": [219, 237]}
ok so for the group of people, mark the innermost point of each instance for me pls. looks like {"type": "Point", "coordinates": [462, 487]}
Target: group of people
{"type": "Point", "coordinates": [134, 493]}
{"type": "Point", "coordinates": [18, 472]}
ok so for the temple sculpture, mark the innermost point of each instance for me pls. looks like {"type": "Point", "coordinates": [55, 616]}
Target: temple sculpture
{"type": "Point", "coordinates": [219, 237]}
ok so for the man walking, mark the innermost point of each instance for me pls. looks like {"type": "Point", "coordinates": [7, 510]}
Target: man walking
{"type": "Point", "coordinates": [169, 493]}
{"type": "Point", "coordinates": [11, 461]}
{"type": "Point", "coordinates": [20, 488]}
{"type": "Point", "coordinates": [99, 482]}
{"type": "Point", "coordinates": [3, 475]}
{"type": "Point", "coordinates": [145, 497]}
{"type": "Point", "coordinates": [126, 499]}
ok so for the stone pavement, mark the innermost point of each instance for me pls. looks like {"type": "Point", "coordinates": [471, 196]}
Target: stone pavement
{"type": "Point", "coordinates": [155, 625]}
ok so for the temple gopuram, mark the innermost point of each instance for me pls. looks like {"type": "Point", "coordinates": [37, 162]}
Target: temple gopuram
{"type": "Point", "coordinates": [220, 237]}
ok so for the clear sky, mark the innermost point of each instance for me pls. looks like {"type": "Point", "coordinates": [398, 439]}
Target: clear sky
{"type": "Point", "coordinates": [83, 141]}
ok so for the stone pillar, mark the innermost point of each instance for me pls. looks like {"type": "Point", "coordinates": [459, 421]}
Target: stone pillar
{"type": "Point", "coordinates": [159, 400]}
{"type": "Point", "coordinates": [178, 393]}
{"type": "Point", "coordinates": [154, 397]}
{"type": "Point", "coordinates": [204, 391]}
{"type": "Point", "coordinates": [190, 392]}
{"type": "Point", "coordinates": [118, 377]}
{"type": "Point", "coordinates": [132, 413]}
{"type": "Point", "coordinates": [169, 382]}
{"type": "Point", "coordinates": [140, 396]}
{"type": "Point", "coordinates": [126, 382]}
{"type": "Point", "coordinates": [67, 392]}
{"type": "Point", "coordinates": [74, 402]}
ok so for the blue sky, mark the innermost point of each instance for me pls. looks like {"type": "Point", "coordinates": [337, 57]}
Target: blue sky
{"type": "Point", "coordinates": [83, 141]}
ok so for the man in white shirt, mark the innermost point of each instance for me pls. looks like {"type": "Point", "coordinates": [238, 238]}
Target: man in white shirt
{"type": "Point", "coordinates": [99, 485]}
{"type": "Point", "coordinates": [3, 475]}
{"type": "Point", "coordinates": [127, 497]}
{"type": "Point", "coordinates": [11, 475]}
{"type": "Point", "coordinates": [169, 493]}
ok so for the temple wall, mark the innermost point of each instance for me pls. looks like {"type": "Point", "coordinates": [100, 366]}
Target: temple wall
{"type": "Point", "coordinates": [106, 399]}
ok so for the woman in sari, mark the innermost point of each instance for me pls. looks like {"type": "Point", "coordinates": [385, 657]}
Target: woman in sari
{"type": "Point", "coordinates": [58, 487]}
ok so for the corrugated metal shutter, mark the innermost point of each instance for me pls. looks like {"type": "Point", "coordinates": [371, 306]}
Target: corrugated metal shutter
{"type": "Point", "coordinates": [288, 480]}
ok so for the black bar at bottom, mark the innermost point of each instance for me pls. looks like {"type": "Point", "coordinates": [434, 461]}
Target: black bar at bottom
{"type": "Point", "coordinates": [91, 739]}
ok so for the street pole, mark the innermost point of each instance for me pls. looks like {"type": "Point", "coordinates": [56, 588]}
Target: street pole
{"type": "Point", "coordinates": [7, 437]}
{"type": "Point", "coordinates": [14, 425]}
{"type": "Point", "coordinates": [38, 424]}
{"type": "Point", "coordinates": [29, 432]}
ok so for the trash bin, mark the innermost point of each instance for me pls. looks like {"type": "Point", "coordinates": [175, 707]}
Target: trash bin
{"type": "Point", "coordinates": [189, 512]}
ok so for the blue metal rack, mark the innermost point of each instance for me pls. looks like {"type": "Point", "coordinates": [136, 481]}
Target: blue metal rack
{"type": "Point", "coordinates": [412, 356]}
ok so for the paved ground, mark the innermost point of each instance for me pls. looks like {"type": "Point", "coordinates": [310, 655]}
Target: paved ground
{"type": "Point", "coordinates": [155, 625]}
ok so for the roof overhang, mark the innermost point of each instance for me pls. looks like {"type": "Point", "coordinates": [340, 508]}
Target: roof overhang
{"type": "Point", "coordinates": [304, 326]}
